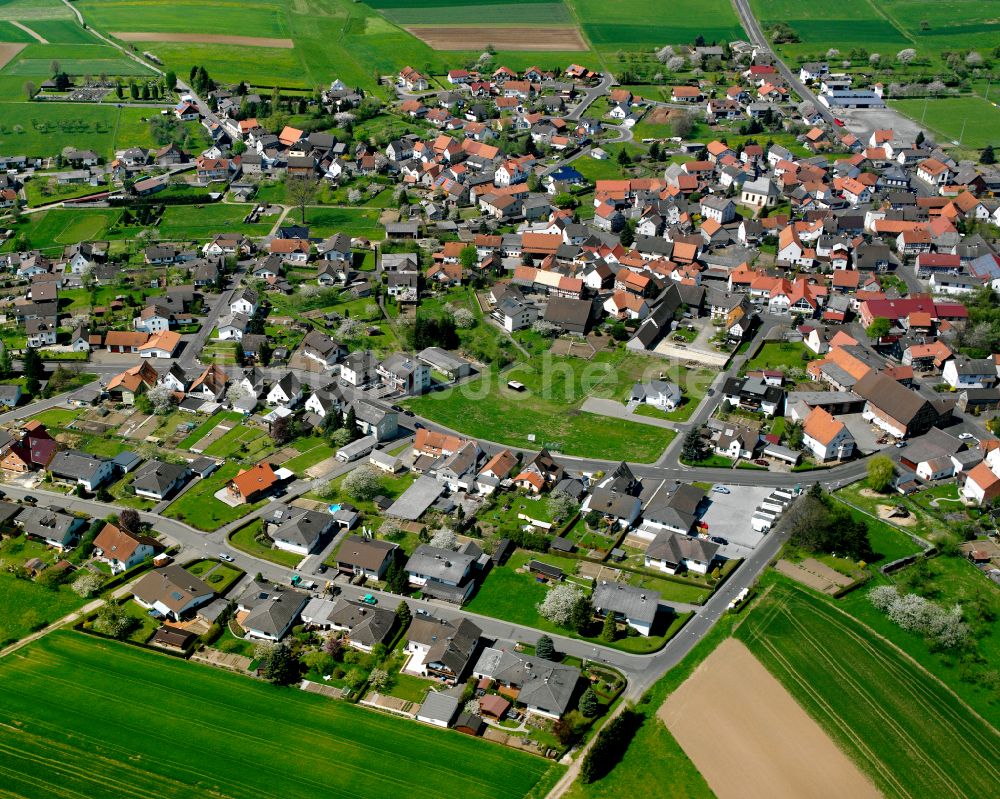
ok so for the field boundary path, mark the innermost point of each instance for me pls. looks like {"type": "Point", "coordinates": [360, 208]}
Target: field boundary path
{"type": "Point", "coordinates": [41, 39]}
{"type": "Point", "coordinates": [69, 618]}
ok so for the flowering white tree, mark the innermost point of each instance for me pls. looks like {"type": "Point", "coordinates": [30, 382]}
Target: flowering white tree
{"type": "Point", "coordinates": [87, 584]}
{"type": "Point", "coordinates": [664, 54]}
{"type": "Point", "coordinates": [918, 615]}
{"type": "Point", "coordinates": [464, 318]}
{"type": "Point", "coordinates": [235, 393]}
{"type": "Point", "coordinates": [906, 55]}
{"type": "Point", "coordinates": [874, 58]}
{"type": "Point", "coordinates": [363, 483]}
{"type": "Point", "coordinates": [444, 539]}
{"type": "Point", "coordinates": [350, 328]}
{"type": "Point", "coordinates": [558, 604]}
{"type": "Point", "coordinates": [378, 679]}
{"type": "Point", "coordinates": [675, 63]}
{"type": "Point", "coordinates": [162, 398]}
{"type": "Point", "coordinates": [472, 706]}
{"type": "Point", "coordinates": [974, 59]}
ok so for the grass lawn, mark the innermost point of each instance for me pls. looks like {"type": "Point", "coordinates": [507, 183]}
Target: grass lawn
{"type": "Point", "coordinates": [929, 525]}
{"type": "Point", "coordinates": [220, 576]}
{"type": "Point", "coordinates": [26, 606]}
{"type": "Point", "coordinates": [199, 508]}
{"type": "Point", "coordinates": [57, 417]}
{"type": "Point", "coordinates": [885, 712]}
{"type": "Point", "coordinates": [209, 757]}
{"type": "Point", "coordinates": [202, 430]}
{"type": "Point", "coordinates": [244, 540]}
{"type": "Point", "coordinates": [549, 410]}
{"type": "Point", "coordinates": [949, 115]}
{"type": "Point", "coordinates": [781, 355]}
{"type": "Point", "coordinates": [512, 596]}
{"type": "Point", "coordinates": [310, 457]}
{"type": "Point", "coordinates": [232, 443]}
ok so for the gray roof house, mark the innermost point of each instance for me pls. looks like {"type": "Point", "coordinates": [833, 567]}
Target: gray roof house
{"type": "Point", "coordinates": [270, 614]}
{"type": "Point", "coordinates": [637, 607]}
{"type": "Point", "coordinates": [56, 529]}
{"type": "Point", "coordinates": [441, 648]}
{"type": "Point", "coordinates": [303, 532]}
{"type": "Point", "coordinates": [440, 707]}
{"type": "Point", "coordinates": [441, 573]}
{"type": "Point", "coordinates": [671, 553]}
{"type": "Point", "coordinates": [365, 625]}
{"type": "Point", "coordinates": [544, 687]}
{"type": "Point", "coordinates": [83, 469]}
{"type": "Point", "coordinates": [158, 480]}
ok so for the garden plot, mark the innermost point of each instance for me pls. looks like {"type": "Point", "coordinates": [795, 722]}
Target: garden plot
{"type": "Point", "coordinates": [212, 436]}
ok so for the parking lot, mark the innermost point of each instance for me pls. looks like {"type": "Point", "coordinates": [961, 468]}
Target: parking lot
{"type": "Point", "coordinates": [728, 516]}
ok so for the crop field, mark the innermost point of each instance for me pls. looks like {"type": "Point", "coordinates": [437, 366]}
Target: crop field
{"type": "Point", "coordinates": [471, 12]}
{"type": "Point", "coordinates": [750, 739]}
{"type": "Point", "coordinates": [549, 410]}
{"type": "Point", "coordinates": [88, 58]}
{"type": "Point", "coordinates": [61, 31]}
{"type": "Point", "coordinates": [23, 10]}
{"type": "Point", "coordinates": [899, 723]}
{"type": "Point", "coordinates": [641, 24]}
{"type": "Point", "coordinates": [228, 735]}
{"type": "Point", "coordinates": [53, 229]}
{"type": "Point", "coordinates": [261, 17]}
{"type": "Point", "coordinates": [948, 116]}
{"type": "Point", "coordinates": [954, 24]}
{"type": "Point", "coordinates": [204, 38]}
{"type": "Point", "coordinates": [478, 37]}
{"type": "Point", "coordinates": [11, 33]}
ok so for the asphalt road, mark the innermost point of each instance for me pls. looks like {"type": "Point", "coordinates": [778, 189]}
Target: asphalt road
{"type": "Point", "coordinates": [757, 37]}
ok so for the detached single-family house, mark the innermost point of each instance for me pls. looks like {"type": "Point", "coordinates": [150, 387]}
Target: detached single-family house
{"type": "Point", "coordinates": [172, 592]}
{"type": "Point", "coordinates": [122, 550]}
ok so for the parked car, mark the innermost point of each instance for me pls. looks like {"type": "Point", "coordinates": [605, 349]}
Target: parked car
{"type": "Point", "coordinates": [965, 436]}
{"type": "Point", "coordinates": [718, 539]}
{"type": "Point", "coordinates": [720, 489]}
{"type": "Point", "coordinates": [226, 557]}
{"type": "Point", "coordinates": [30, 499]}
{"type": "Point", "coordinates": [838, 122]}
{"type": "Point", "coordinates": [368, 599]}
{"type": "Point", "coordinates": [901, 444]}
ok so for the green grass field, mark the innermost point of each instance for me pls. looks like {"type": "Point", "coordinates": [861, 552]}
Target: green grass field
{"type": "Point", "coordinates": [219, 734]}
{"type": "Point", "coordinates": [904, 727]}
{"type": "Point", "coordinates": [245, 540]}
{"type": "Point", "coordinates": [644, 24]}
{"type": "Point", "coordinates": [780, 355]}
{"type": "Point", "coordinates": [50, 230]}
{"type": "Point", "coordinates": [976, 120]}
{"type": "Point", "coordinates": [199, 508]}
{"type": "Point", "coordinates": [512, 596]}
{"type": "Point", "coordinates": [550, 408]}
{"type": "Point", "coordinates": [25, 606]}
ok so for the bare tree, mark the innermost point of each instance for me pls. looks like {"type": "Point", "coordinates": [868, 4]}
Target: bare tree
{"type": "Point", "coordinates": [301, 191]}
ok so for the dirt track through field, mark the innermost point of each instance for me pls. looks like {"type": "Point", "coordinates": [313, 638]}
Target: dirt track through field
{"type": "Point", "coordinates": [38, 37]}
{"type": "Point", "coordinates": [749, 737]}
{"type": "Point", "coordinates": [8, 51]}
{"type": "Point", "coordinates": [457, 37]}
{"type": "Point", "coordinates": [203, 38]}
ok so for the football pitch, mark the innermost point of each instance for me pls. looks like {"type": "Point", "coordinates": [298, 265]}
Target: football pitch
{"type": "Point", "coordinates": [80, 717]}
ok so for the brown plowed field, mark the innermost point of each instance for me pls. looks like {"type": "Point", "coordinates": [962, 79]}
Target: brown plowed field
{"type": "Point", "coordinates": [203, 38]}
{"type": "Point", "coordinates": [455, 37]}
{"type": "Point", "coordinates": [749, 737]}
{"type": "Point", "coordinates": [7, 52]}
